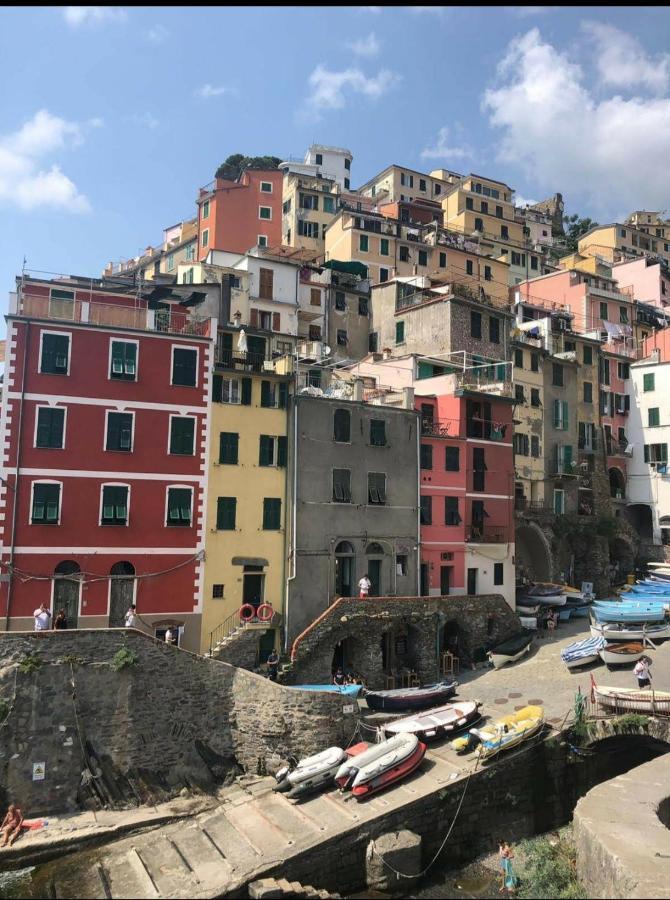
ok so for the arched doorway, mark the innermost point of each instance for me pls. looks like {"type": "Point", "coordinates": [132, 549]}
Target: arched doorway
{"type": "Point", "coordinates": [121, 592]}
{"type": "Point", "coordinates": [533, 558]}
{"type": "Point", "coordinates": [640, 517]}
{"type": "Point", "coordinates": [67, 591]}
{"type": "Point", "coordinates": [344, 569]}
{"type": "Point", "coordinates": [617, 483]}
{"type": "Point", "coordinates": [375, 558]}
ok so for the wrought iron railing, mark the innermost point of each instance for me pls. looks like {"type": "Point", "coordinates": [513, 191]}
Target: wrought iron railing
{"type": "Point", "coordinates": [230, 625]}
{"type": "Point", "coordinates": [483, 534]}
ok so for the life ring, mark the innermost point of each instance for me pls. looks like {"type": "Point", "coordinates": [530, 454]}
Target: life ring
{"type": "Point", "coordinates": [264, 612]}
{"type": "Point", "coordinates": [249, 610]}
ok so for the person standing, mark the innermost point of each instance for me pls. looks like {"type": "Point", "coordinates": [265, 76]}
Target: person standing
{"type": "Point", "coordinates": [131, 617]}
{"type": "Point", "coordinates": [61, 620]}
{"type": "Point", "coordinates": [338, 677]}
{"type": "Point", "coordinates": [642, 672]}
{"type": "Point", "coordinates": [42, 617]}
{"type": "Point", "coordinates": [272, 663]}
{"type": "Point", "coordinates": [168, 636]}
{"type": "Point", "coordinates": [364, 586]}
{"type": "Point", "coordinates": [509, 881]}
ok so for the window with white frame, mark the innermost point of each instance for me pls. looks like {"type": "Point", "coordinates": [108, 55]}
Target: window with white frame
{"type": "Point", "coordinates": [119, 431]}
{"type": "Point", "coordinates": [262, 240]}
{"type": "Point", "coordinates": [266, 187]}
{"type": "Point", "coordinates": [205, 238]}
{"type": "Point", "coordinates": [182, 435]}
{"type": "Point", "coordinates": [265, 212]}
{"type": "Point", "coordinates": [46, 501]}
{"type": "Point", "coordinates": [230, 390]}
{"type": "Point", "coordinates": [50, 427]}
{"type": "Point", "coordinates": [114, 504]}
{"type": "Point", "coordinates": [123, 360]}
{"type": "Point", "coordinates": [179, 506]}
{"type": "Point", "coordinates": [54, 353]}
{"type": "Point", "coordinates": [184, 366]}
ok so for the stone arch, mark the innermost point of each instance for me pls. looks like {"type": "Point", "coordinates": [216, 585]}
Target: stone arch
{"type": "Point", "coordinates": [641, 519]}
{"type": "Point", "coordinates": [533, 551]}
{"type": "Point", "coordinates": [617, 482]}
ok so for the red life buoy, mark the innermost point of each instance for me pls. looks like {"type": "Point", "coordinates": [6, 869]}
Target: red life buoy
{"type": "Point", "coordinates": [265, 612]}
{"type": "Point", "coordinates": [247, 612]}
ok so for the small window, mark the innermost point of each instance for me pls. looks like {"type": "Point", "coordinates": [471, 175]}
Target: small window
{"type": "Point", "coordinates": [400, 332]}
{"type": "Point", "coordinates": [534, 362]}
{"type": "Point", "coordinates": [362, 306]}
{"type": "Point", "coordinates": [623, 315]}
{"type": "Point", "coordinates": [426, 510]}
{"type": "Point", "coordinates": [54, 354]}
{"type": "Point", "coordinates": [404, 254]}
{"type": "Point", "coordinates": [119, 431]}
{"type": "Point", "coordinates": [347, 184]}
{"type": "Point", "coordinates": [265, 212]}
{"type": "Point", "coordinates": [535, 447]}
{"type": "Point", "coordinates": [50, 427]}
{"type": "Point", "coordinates": [376, 488]}
{"type": "Point", "coordinates": [205, 209]}
{"type": "Point", "coordinates": [426, 456]}
{"type": "Point", "coordinates": [169, 262]}
{"type": "Point", "coordinates": [452, 459]}
{"type": "Point", "coordinates": [46, 504]}
{"type": "Point", "coordinates": [588, 355]}
{"type": "Point", "coordinates": [469, 268]}
{"type": "Point", "coordinates": [498, 573]}
{"type": "Point", "coordinates": [363, 243]}
{"type": "Point", "coordinates": [494, 330]}
{"type": "Point", "coordinates": [228, 448]}
{"type": "Point", "coordinates": [373, 342]}
{"type": "Point", "coordinates": [124, 360]}
{"type": "Point", "coordinates": [378, 432]}
{"type": "Point", "coordinates": [383, 247]}
{"type": "Point", "coordinates": [479, 224]}
{"type": "Point", "coordinates": [272, 451]}
{"type": "Point", "coordinates": [588, 392]}
{"type": "Point", "coordinates": [475, 324]}
{"type": "Point", "coordinates": [422, 184]}
{"type": "Point", "coordinates": [262, 240]}
{"type": "Point", "coordinates": [519, 395]}
{"type": "Point", "coordinates": [488, 275]}
{"type": "Point", "coordinates": [319, 159]}
{"type": "Point", "coordinates": [182, 435]}
{"type": "Point", "coordinates": [266, 187]}
{"type": "Point", "coordinates": [205, 238]}
{"type": "Point", "coordinates": [557, 375]}
{"type": "Point", "coordinates": [342, 426]}
{"type": "Point", "coordinates": [451, 513]}
{"type": "Point", "coordinates": [469, 203]}
{"type": "Point", "coordinates": [340, 301]}
{"type": "Point", "coordinates": [383, 275]}
{"type": "Point", "coordinates": [271, 514]}
{"type": "Point", "coordinates": [179, 506]}
{"type": "Point", "coordinates": [533, 265]}
{"type": "Point", "coordinates": [341, 337]}
{"type": "Point", "coordinates": [341, 486]}
{"type": "Point", "coordinates": [217, 591]}
{"type": "Point", "coordinates": [604, 312]}
{"type": "Point", "coordinates": [535, 397]}
{"type": "Point", "coordinates": [184, 366]}
{"type": "Point", "coordinates": [226, 508]}
{"type": "Point", "coordinates": [347, 164]}
{"type": "Point", "coordinates": [654, 417]}
{"type": "Point", "coordinates": [559, 502]}
{"type": "Point", "coordinates": [114, 505]}
{"type": "Point", "coordinates": [649, 381]}
{"type": "Point", "coordinates": [504, 232]}
{"type": "Point", "coordinates": [423, 257]}
{"type": "Point", "coordinates": [443, 260]}
{"type": "Point", "coordinates": [518, 359]}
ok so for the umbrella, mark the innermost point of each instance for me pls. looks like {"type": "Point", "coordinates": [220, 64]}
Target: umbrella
{"type": "Point", "coordinates": [242, 341]}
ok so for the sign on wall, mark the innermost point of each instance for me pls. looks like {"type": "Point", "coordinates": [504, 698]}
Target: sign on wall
{"type": "Point", "coordinates": [39, 771]}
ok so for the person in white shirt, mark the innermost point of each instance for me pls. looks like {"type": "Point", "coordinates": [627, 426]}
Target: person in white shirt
{"type": "Point", "coordinates": [364, 586]}
{"type": "Point", "coordinates": [42, 617]}
{"type": "Point", "coordinates": [168, 636]}
{"type": "Point", "coordinates": [131, 617]}
{"type": "Point", "coordinates": [642, 672]}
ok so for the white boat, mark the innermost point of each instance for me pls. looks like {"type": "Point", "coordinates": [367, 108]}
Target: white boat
{"type": "Point", "coordinates": [627, 700]}
{"type": "Point", "coordinates": [510, 651]}
{"type": "Point", "coordinates": [438, 722]}
{"type": "Point", "coordinates": [621, 654]}
{"type": "Point", "coordinates": [381, 765]}
{"type": "Point", "coordinates": [624, 631]}
{"type": "Point", "coordinates": [311, 773]}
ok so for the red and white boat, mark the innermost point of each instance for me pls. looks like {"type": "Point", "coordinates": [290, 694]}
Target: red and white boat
{"type": "Point", "coordinates": [442, 721]}
{"type": "Point", "coordinates": [381, 765]}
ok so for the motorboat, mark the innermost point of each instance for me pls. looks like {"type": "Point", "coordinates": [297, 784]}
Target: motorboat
{"type": "Point", "coordinates": [527, 609]}
{"type": "Point", "coordinates": [581, 612]}
{"type": "Point", "coordinates": [629, 700]}
{"type": "Point", "coordinates": [546, 599]}
{"type": "Point", "coordinates": [620, 612]}
{"type": "Point", "coordinates": [581, 653]}
{"type": "Point", "coordinates": [510, 651]}
{"type": "Point", "coordinates": [621, 654]}
{"type": "Point", "coordinates": [649, 587]}
{"type": "Point", "coordinates": [348, 690]}
{"type": "Point", "coordinates": [631, 631]}
{"type": "Point", "coordinates": [412, 698]}
{"type": "Point", "coordinates": [310, 773]}
{"type": "Point", "coordinates": [381, 765]}
{"type": "Point", "coordinates": [436, 723]}
{"type": "Point", "coordinates": [509, 731]}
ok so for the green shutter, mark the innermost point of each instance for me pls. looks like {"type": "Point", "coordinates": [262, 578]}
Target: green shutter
{"type": "Point", "coordinates": [184, 367]}
{"type": "Point", "coordinates": [648, 381]}
{"type": "Point", "coordinates": [283, 395]}
{"type": "Point", "coordinates": [566, 418]}
{"type": "Point", "coordinates": [225, 513]}
{"type": "Point", "coordinates": [567, 459]}
{"type": "Point", "coordinates": [182, 436]}
{"type": "Point", "coordinates": [179, 506]}
{"type": "Point", "coordinates": [265, 449]}
{"type": "Point", "coordinates": [228, 447]}
{"type": "Point", "coordinates": [557, 414]}
{"type": "Point", "coordinates": [266, 394]}
{"type": "Point", "coordinates": [246, 392]}
{"type": "Point", "coordinates": [281, 451]}
{"type": "Point", "coordinates": [46, 498]}
{"type": "Point", "coordinates": [271, 514]}
{"type": "Point", "coordinates": [399, 332]}
{"type": "Point", "coordinates": [50, 424]}
{"type": "Point", "coordinates": [217, 388]}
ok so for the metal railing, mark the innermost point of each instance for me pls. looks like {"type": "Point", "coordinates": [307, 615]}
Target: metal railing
{"type": "Point", "coordinates": [483, 534]}
{"type": "Point", "coordinates": [239, 359]}
{"type": "Point", "coordinates": [440, 427]}
{"type": "Point", "coordinates": [232, 624]}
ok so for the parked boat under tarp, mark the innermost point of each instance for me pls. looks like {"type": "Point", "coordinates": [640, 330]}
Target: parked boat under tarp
{"type": "Point", "coordinates": [349, 690]}
{"type": "Point", "coordinates": [510, 651]}
{"type": "Point", "coordinates": [399, 699]}
{"type": "Point", "coordinates": [581, 653]}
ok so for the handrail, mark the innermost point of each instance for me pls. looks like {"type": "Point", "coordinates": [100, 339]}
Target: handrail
{"type": "Point", "coordinates": [233, 622]}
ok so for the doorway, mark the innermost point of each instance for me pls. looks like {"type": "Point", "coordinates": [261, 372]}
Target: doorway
{"type": "Point", "coordinates": [121, 592]}
{"type": "Point", "coordinates": [344, 569]}
{"type": "Point", "coordinates": [253, 583]}
{"type": "Point", "coordinates": [67, 591]}
{"type": "Point", "coordinates": [375, 576]}
{"type": "Point", "coordinates": [472, 581]}
{"type": "Point", "coordinates": [425, 579]}
{"type": "Point", "coordinates": [446, 574]}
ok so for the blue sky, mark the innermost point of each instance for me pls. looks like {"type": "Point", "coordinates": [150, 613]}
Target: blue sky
{"type": "Point", "coordinates": [112, 117]}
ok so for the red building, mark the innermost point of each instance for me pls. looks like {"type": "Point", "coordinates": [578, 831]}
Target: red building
{"type": "Point", "coordinates": [239, 215]}
{"type": "Point", "coordinates": [104, 426]}
{"type": "Point", "coordinates": [467, 488]}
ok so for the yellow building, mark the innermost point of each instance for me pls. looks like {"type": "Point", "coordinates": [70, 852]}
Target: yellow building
{"type": "Point", "coordinates": [592, 265]}
{"type": "Point", "coordinates": [650, 223]}
{"type": "Point", "coordinates": [309, 204]}
{"type": "Point", "coordinates": [398, 183]}
{"type": "Point", "coordinates": [616, 242]}
{"type": "Point", "coordinates": [246, 513]}
{"type": "Point", "coordinates": [528, 354]}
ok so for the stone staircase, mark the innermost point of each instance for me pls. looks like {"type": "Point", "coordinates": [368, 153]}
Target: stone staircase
{"type": "Point", "coordinates": [240, 646]}
{"type": "Point", "coordinates": [276, 889]}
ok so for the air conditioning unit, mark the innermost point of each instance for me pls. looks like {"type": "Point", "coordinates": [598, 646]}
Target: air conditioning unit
{"type": "Point", "coordinates": [268, 365]}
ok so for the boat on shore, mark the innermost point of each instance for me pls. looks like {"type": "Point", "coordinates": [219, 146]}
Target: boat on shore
{"type": "Point", "coordinates": [510, 651]}
{"type": "Point", "coordinates": [621, 654]}
{"type": "Point", "coordinates": [582, 653]}
{"type": "Point", "coordinates": [543, 599]}
{"type": "Point", "coordinates": [399, 699]}
{"type": "Point", "coordinates": [310, 774]}
{"type": "Point", "coordinates": [621, 631]}
{"type": "Point", "coordinates": [348, 690]}
{"type": "Point", "coordinates": [381, 765]}
{"type": "Point", "coordinates": [629, 700]}
{"type": "Point", "coordinates": [510, 731]}
{"type": "Point", "coordinates": [436, 723]}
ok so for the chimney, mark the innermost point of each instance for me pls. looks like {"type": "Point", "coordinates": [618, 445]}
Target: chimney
{"type": "Point", "coordinates": [656, 355]}
{"type": "Point", "coordinates": [386, 353]}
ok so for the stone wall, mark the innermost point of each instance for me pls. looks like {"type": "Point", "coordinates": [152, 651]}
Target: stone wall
{"type": "Point", "coordinates": [482, 621]}
{"type": "Point", "coordinates": [170, 720]}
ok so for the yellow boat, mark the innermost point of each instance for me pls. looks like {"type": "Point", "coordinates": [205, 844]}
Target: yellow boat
{"type": "Point", "coordinates": [509, 731]}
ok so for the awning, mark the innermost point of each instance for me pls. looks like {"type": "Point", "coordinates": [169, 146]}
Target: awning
{"type": "Point", "coordinates": [352, 267]}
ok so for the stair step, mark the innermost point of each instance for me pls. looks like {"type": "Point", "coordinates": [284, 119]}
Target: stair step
{"type": "Point", "coordinates": [127, 877]}
{"type": "Point", "coordinates": [239, 849]}
{"type": "Point", "coordinates": [199, 852]}
{"type": "Point", "coordinates": [166, 866]}
{"type": "Point", "coordinates": [285, 816]}
{"type": "Point", "coordinates": [258, 830]}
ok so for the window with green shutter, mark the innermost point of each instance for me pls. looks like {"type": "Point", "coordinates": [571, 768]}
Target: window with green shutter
{"type": "Point", "coordinates": [376, 488]}
{"type": "Point", "coordinates": [124, 361]}
{"type": "Point", "coordinates": [271, 514]}
{"type": "Point", "coordinates": [383, 247]}
{"type": "Point", "coordinates": [654, 417]}
{"type": "Point", "coordinates": [426, 456]}
{"type": "Point", "coordinates": [184, 366]}
{"type": "Point", "coordinates": [119, 431]}
{"type": "Point", "coordinates": [225, 513]}
{"type": "Point", "coordinates": [179, 506]}
{"type": "Point", "coordinates": [400, 332]}
{"type": "Point", "coordinates": [426, 510]}
{"type": "Point", "coordinates": [649, 381]}
{"type": "Point", "coordinates": [266, 451]}
{"type": "Point", "coordinates": [587, 355]}
{"type": "Point", "coordinates": [341, 486]}
{"type": "Point", "coordinates": [50, 427]}
{"type": "Point", "coordinates": [269, 395]}
{"type": "Point", "coordinates": [46, 504]}
{"type": "Point", "coordinates": [55, 354]}
{"type": "Point", "coordinates": [363, 243]}
{"type": "Point", "coordinates": [182, 435]}
{"type": "Point", "coordinates": [377, 432]}
{"type": "Point", "coordinates": [566, 415]}
{"type": "Point", "coordinates": [228, 447]}
{"type": "Point", "coordinates": [282, 449]}
{"type": "Point", "coordinates": [451, 513]}
{"type": "Point", "coordinates": [452, 459]}
{"type": "Point", "coordinates": [246, 392]}
{"type": "Point", "coordinates": [114, 505]}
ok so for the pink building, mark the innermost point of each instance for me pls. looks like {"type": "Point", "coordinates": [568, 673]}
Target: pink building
{"type": "Point", "coordinates": [649, 280]}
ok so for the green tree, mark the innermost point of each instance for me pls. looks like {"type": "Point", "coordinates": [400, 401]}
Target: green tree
{"type": "Point", "coordinates": [575, 227]}
{"type": "Point", "coordinates": [236, 163]}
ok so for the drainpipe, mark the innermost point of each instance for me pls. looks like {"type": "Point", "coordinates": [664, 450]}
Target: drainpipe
{"type": "Point", "coordinates": [418, 509]}
{"type": "Point", "coordinates": [18, 463]}
{"type": "Point", "coordinates": [294, 503]}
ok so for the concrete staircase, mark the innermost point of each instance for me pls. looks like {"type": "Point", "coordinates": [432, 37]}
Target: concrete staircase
{"type": "Point", "coordinates": [276, 889]}
{"type": "Point", "coordinates": [240, 646]}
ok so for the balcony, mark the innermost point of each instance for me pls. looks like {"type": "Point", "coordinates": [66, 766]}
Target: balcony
{"type": "Point", "coordinates": [618, 448]}
{"type": "Point", "coordinates": [486, 380]}
{"type": "Point", "coordinates": [114, 315]}
{"type": "Point", "coordinates": [255, 361]}
{"type": "Point", "coordinates": [445, 292]}
{"type": "Point", "coordinates": [483, 534]}
{"type": "Point", "coordinates": [564, 470]}
{"type": "Point", "coordinates": [439, 428]}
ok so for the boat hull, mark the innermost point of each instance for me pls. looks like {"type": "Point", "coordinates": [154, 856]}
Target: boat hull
{"type": "Point", "coordinates": [522, 725]}
{"type": "Point", "coordinates": [582, 653]}
{"type": "Point", "coordinates": [630, 632]}
{"type": "Point", "coordinates": [436, 723]}
{"type": "Point", "coordinates": [510, 651]}
{"type": "Point", "coordinates": [622, 654]}
{"type": "Point", "coordinates": [368, 786]}
{"type": "Point", "coordinates": [381, 764]}
{"type": "Point", "coordinates": [411, 698]}
{"type": "Point", "coordinates": [625, 700]}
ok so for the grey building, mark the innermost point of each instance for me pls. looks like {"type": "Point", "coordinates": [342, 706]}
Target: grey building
{"type": "Point", "coordinates": [348, 322]}
{"type": "Point", "coordinates": [561, 432]}
{"type": "Point", "coordinates": [353, 502]}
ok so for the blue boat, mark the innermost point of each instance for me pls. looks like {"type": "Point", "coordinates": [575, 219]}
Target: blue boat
{"type": "Point", "coordinates": [612, 615]}
{"type": "Point", "coordinates": [564, 613]}
{"type": "Point", "coordinates": [581, 612]}
{"type": "Point", "coordinates": [647, 587]}
{"type": "Point", "coordinates": [348, 690]}
{"type": "Point", "coordinates": [581, 653]}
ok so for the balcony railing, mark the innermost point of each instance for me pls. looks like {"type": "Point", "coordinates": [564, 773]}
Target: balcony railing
{"type": "Point", "coordinates": [439, 428]}
{"type": "Point", "coordinates": [618, 448]}
{"type": "Point", "coordinates": [112, 315]}
{"type": "Point", "coordinates": [483, 534]}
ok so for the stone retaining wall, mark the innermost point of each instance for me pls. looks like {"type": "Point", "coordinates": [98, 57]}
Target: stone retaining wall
{"type": "Point", "coordinates": [172, 719]}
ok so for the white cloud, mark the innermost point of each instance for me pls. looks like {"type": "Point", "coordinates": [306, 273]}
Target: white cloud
{"type": "Point", "coordinates": [524, 201]}
{"type": "Point", "coordinates": [524, 12]}
{"type": "Point", "coordinates": [368, 46]}
{"type": "Point", "coordinates": [23, 180]}
{"type": "Point", "coordinates": [93, 15]}
{"type": "Point", "coordinates": [157, 34]}
{"type": "Point", "coordinates": [328, 88]}
{"type": "Point", "coordinates": [421, 10]}
{"type": "Point", "coordinates": [146, 119]}
{"type": "Point", "coordinates": [375, 10]}
{"type": "Point", "coordinates": [96, 122]}
{"type": "Point", "coordinates": [622, 61]}
{"type": "Point", "coordinates": [558, 132]}
{"type": "Point", "coordinates": [210, 90]}
{"type": "Point", "coordinates": [442, 150]}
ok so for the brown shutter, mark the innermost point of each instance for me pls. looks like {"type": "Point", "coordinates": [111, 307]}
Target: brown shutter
{"type": "Point", "coordinates": [253, 318]}
{"type": "Point", "coordinates": [315, 299]}
{"type": "Point", "coordinates": [265, 284]}
{"type": "Point", "coordinates": [276, 322]}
